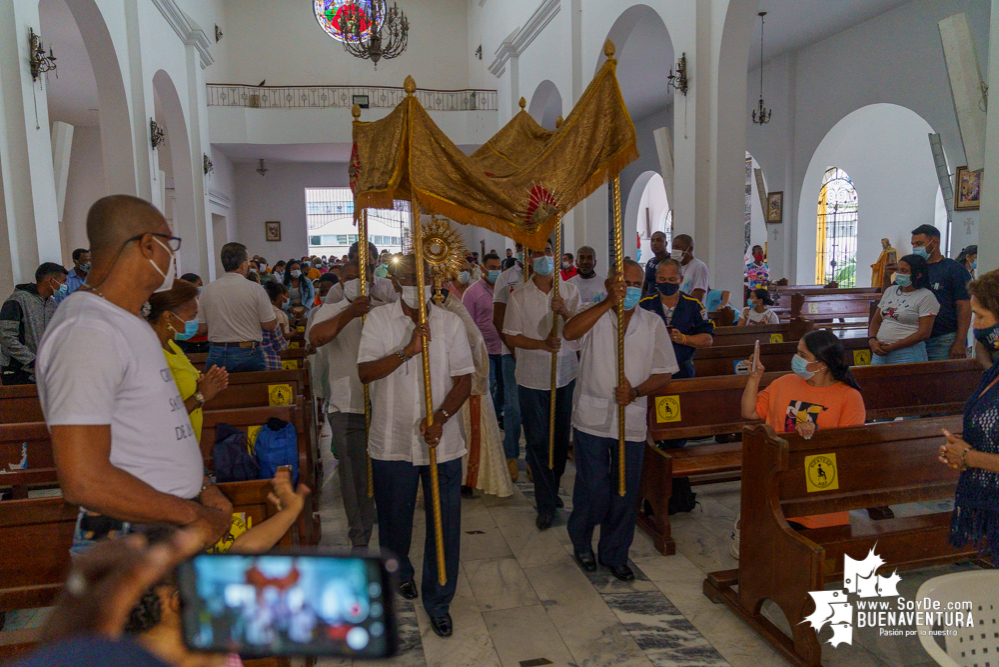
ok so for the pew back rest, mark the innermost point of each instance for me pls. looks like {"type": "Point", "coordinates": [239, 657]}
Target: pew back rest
{"type": "Point", "coordinates": [263, 388]}
{"type": "Point", "coordinates": [28, 445]}
{"type": "Point", "coordinates": [712, 361]}
{"type": "Point", "coordinates": [249, 419]}
{"type": "Point", "coordinates": [826, 306]}
{"type": "Point", "coordinates": [291, 358]}
{"type": "Point", "coordinates": [19, 403]}
{"type": "Point", "coordinates": [765, 333]}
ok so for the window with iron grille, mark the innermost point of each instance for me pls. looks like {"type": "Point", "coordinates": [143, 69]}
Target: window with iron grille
{"type": "Point", "coordinates": [836, 230]}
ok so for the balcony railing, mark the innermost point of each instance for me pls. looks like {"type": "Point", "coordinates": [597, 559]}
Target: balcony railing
{"type": "Point", "coordinates": [343, 97]}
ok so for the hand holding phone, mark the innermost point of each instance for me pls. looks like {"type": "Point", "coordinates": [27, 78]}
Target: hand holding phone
{"type": "Point", "coordinates": [756, 357]}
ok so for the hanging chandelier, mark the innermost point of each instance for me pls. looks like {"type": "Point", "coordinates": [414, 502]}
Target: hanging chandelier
{"type": "Point", "coordinates": [761, 115]}
{"type": "Point", "coordinates": [368, 29]}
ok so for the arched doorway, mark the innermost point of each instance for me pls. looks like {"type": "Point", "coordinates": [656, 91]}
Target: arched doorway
{"type": "Point", "coordinates": [836, 230]}
{"type": "Point", "coordinates": [648, 209]}
{"type": "Point", "coordinates": [546, 105]}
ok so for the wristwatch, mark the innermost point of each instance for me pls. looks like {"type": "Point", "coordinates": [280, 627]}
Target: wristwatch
{"type": "Point", "coordinates": [200, 398]}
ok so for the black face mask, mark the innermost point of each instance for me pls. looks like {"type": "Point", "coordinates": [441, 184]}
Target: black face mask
{"type": "Point", "coordinates": [668, 289]}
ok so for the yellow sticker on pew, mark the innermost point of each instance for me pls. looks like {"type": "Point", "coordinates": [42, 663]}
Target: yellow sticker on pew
{"type": "Point", "coordinates": [279, 394]}
{"type": "Point", "coordinates": [294, 345]}
{"type": "Point", "coordinates": [861, 357]}
{"type": "Point", "coordinates": [821, 473]}
{"type": "Point", "coordinates": [667, 409]}
{"type": "Point", "coordinates": [813, 308]}
{"type": "Point", "coordinates": [289, 364]}
{"type": "Point", "coordinates": [251, 437]}
{"type": "Point", "coordinates": [776, 338]}
{"type": "Point", "coordinates": [301, 327]}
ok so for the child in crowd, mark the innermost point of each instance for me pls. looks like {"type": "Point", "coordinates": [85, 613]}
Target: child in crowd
{"type": "Point", "coordinates": [758, 311]}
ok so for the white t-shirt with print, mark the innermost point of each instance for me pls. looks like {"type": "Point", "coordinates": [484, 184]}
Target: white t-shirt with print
{"type": "Point", "coordinates": [100, 364]}
{"type": "Point", "coordinates": [591, 290]}
{"type": "Point", "coordinates": [693, 276]}
{"type": "Point", "coordinates": [900, 312]}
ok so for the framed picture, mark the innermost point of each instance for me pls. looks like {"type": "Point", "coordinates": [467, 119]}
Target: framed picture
{"type": "Point", "coordinates": [967, 190]}
{"type": "Point", "coordinates": [775, 207]}
{"type": "Point", "coordinates": [272, 231]}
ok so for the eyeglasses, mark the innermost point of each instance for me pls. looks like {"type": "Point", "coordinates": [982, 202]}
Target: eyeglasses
{"type": "Point", "coordinates": [173, 242]}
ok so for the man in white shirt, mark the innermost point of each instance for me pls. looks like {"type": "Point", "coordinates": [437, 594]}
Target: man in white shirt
{"type": "Point", "coordinates": [648, 364]}
{"type": "Point", "coordinates": [508, 281]}
{"type": "Point", "coordinates": [122, 441]}
{"type": "Point", "coordinates": [527, 327]}
{"type": "Point", "coordinates": [336, 334]}
{"type": "Point", "coordinates": [380, 289]}
{"type": "Point", "coordinates": [234, 313]}
{"type": "Point", "coordinates": [589, 283]}
{"type": "Point", "coordinates": [398, 442]}
{"type": "Point", "coordinates": [693, 272]}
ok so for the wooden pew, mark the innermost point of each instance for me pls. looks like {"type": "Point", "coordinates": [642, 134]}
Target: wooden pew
{"type": "Point", "coordinates": [824, 308]}
{"type": "Point", "coordinates": [874, 465]}
{"type": "Point", "coordinates": [784, 332]}
{"type": "Point", "coordinates": [702, 407]}
{"type": "Point", "coordinates": [292, 358]}
{"type": "Point", "coordinates": [35, 538]}
{"type": "Point", "coordinates": [713, 361]}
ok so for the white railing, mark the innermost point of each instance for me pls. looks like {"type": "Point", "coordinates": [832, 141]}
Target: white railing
{"type": "Point", "coordinates": [343, 97]}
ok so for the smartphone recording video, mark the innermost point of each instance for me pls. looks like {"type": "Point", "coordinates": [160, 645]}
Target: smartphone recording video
{"type": "Point", "coordinates": [287, 605]}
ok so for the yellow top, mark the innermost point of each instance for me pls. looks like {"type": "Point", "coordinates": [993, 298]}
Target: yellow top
{"type": "Point", "coordinates": [186, 376]}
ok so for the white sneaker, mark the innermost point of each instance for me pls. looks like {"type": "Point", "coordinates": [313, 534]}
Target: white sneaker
{"type": "Point", "coordinates": [733, 547]}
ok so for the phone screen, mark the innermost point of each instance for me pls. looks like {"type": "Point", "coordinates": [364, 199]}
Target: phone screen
{"type": "Point", "coordinates": [287, 605]}
{"type": "Point", "coordinates": [892, 257]}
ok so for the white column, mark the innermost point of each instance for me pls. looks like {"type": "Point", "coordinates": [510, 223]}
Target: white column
{"type": "Point", "coordinates": [62, 149]}
{"type": "Point", "coordinates": [988, 231]}
{"type": "Point", "coordinates": [197, 105]}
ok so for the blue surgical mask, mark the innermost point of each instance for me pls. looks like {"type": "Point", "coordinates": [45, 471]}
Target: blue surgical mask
{"type": "Point", "coordinates": [85, 267]}
{"type": "Point", "coordinates": [493, 276]}
{"type": "Point", "coordinates": [201, 290]}
{"type": "Point", "coordinates": [631, 297]}
{"type": "Point", "coordinates": [800, 367]}
{"type": "Point", "coordinates": [63, 290]}
{"type": "Point", "coordinates": [921, 251]}
{"type": "Point", "coordinates": [520, 256]}
{"type": "Point", "coordinates": [668, 289]}
{"type": "Point", "coordinates": [190, 329]}
{"type": "Point", "coordinates": [544, 266]}
{"type": "Point", "coordinates": [463, 277]}
{"type": "Point", "coordinates": [974, 265]}
{"type": "Point", "coordinates": [903, 280]}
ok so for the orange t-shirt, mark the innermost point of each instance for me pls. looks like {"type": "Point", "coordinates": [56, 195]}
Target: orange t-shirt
{"type": "Point", "coordinates": [790, 400]}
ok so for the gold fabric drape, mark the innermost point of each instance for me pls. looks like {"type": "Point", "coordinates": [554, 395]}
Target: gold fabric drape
{"type": "Point", "coordinates": [516, 184]}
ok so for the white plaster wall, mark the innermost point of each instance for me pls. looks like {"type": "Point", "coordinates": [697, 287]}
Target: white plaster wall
{"type": "Point", "coordinates": [286, 46]}
{"type": "Point", "coordinates": [881, 148]}
{"type": "Point", "coordinates": [86, 185]}
{"type": "Point", "coordinates": [280, 196]}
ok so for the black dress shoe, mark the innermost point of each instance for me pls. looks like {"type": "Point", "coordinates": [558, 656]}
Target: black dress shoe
{"type": "Point", "coordinates": [558, 502]}
{"type": "Point", "coordinates": [407, 589]}
{"type": "Point", "coordinates": [467, 491]}
{"type": "Point", "coordinates": [622, 572]}
{"type": "Point", "coordinates": [545, 520]}
{"type": "Point", "coordinates": [442, 625]}
{"type": "Point", "coordinates": [586, 561]}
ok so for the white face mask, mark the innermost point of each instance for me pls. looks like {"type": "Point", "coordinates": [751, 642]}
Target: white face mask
{"type": "Point", "coordinates": [352, 289]}
{"type": "Point", "coordinates": [463, 277]}
{"type": "Point", "coordinates": [171, 272]}
{"type": "Point", "coordinates": [411, 295]}
{"type": "Point", "coordinates": [677, 255]}
{"type": "Point", "coordinates": [296, 274]}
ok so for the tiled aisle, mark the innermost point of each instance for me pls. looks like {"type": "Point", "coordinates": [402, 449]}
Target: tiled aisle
{"type": "Point", "coordinates": [523, 602]}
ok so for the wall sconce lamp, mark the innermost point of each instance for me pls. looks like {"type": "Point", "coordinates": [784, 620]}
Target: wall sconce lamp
{"type": "Point", "coordinates": [678, 80]}
{"type": "Point", "coordinates": [40, 62]}
{"type": "Point", "coordinates": [209, 166]}
{"type": "Point", "coordinates": [156, 134]}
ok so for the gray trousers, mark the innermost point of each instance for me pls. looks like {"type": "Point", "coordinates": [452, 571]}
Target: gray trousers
{"type": "Point", "coordinates": [350, 446]}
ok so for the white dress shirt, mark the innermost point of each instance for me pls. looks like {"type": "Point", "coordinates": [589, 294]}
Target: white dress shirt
{"type": "Point", "coordinates": [647, 351]}
{"type": "Point", "coordinates": [397, 400]}
{"type": "Point", "coordinates": [529, 313]}
{"type": "Point", "coordinates": [345, 392]}
{"type": "Point", "coordinates": [507, 282]}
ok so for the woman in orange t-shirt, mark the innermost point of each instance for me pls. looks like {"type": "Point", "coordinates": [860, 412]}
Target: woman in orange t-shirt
{"type": "Point", "coordinates": [820, 393]}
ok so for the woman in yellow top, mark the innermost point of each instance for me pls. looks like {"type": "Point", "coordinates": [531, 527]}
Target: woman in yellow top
{"type": "Point", "coordinates": [174, 316]}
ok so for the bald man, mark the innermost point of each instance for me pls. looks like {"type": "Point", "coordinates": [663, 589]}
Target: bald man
{"type": "Point", "coordinates": [122, 441]}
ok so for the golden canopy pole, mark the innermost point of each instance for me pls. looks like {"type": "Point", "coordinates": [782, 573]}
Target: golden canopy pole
{"type": "Point", "coordinates": [619, 268]}
{"type": "Point", "coordinates": [362, 259]}
{"type": "Point", "coordinates": [557, 250]}
{"type": "Point", "coordinates": [435, 485]}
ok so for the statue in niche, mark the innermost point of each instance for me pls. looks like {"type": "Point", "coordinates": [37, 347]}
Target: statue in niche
{"type": "Point", "coordinates": [888, 255]}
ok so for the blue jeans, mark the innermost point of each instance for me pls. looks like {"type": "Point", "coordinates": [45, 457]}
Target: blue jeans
{"type": "Point", "coordinates": [237, 359]}
{"type": "Point", "coordinates": [496, 384]}
{"type": "Point", "coordinates": [907, 355]}
{"type": "Point", "coordinates": [535, 407]}
{"type": "Point", "coordinates": [511, 409]}
{"type": "Point", "coordinates": [938, 349]}
{"type": "Point", "coordinates": [595, 497]}
{"type": "Point", "coordinates": [395, 499]}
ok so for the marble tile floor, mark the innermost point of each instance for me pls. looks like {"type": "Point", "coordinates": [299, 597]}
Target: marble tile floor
{"type": "Point", "coordinates": [523, 602]}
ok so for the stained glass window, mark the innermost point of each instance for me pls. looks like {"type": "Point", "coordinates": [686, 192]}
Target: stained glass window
{"type": "Point", "coordinates": [836, 237]}
{"type": "Point", "coordinates": [338, 18]}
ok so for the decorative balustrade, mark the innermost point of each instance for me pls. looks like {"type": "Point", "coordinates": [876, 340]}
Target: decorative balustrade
{"type": "Point", "coordinates": [343, 97]}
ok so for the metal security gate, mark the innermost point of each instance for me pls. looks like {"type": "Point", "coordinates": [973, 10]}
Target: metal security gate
{"type": "Point", "coordinates": [836, 237]}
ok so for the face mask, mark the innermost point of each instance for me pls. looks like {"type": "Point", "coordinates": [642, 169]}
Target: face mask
{"type": "Point", "coordinates": [263, 267]}
{"type": "Point", "coordinates": [800, 367]}
{"type": "Point", "coordinates": [989, 338]}
{"type": "Point", "coordinates": [758, 258]}
{"type": "Point", "coordinates": [305, 265]}
{"type": "Point", "coordinates": [296, 274]}
{"type": "Point", "coordinates": [974, 265]}
{"type": "Point", "coordinates": [677, 255]}
{"type": "Point", "coordinates": [85, 267]}
{"type": "Point", "coordinates": [921, 251]}
{"type": "Point", "coordinates": [411, 295]}
{"type": "Point", "coordinates": [631, 297]}
{"type": "Point", "coordinates": [463, 277]}
{"type": "Point", "coordinates": [903, 280]}
{"type": "Point", "coordinates": [520, 257]}
{"type": "Point", "coordinates": [171, 272]}
{"type": "Point", "coordinates": [668, 289]}
{"type": "Point", "coordinates": [62, 290]}
{"type": "Point", "coordinates": [352, 289]}
{"type": "Point", "coordinates": [543, 266]}
{"type": "Point", "coordinates": [190, 329]}
{"type": "Point", "coordinates": [493, 275]}
{"type": "Point", "coordinates": [566, 265]}
{"type": "Point", "coordinates": [201, 290]}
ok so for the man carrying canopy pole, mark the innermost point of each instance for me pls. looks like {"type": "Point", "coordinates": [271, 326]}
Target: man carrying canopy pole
{"type": "Point", "coordinates": [402, 454]}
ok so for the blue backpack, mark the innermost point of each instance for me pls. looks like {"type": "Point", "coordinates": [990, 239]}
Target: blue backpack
{"type": "Point", "coordinates": [276, 446]}
{"type": "Point", "coordinates": [231, 454]}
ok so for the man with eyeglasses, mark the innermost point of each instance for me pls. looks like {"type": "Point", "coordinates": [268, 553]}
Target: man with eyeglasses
{"type": "Point", "coordinates": [234, 313]}
{"type": "Point", "coordinates": [122, 441]}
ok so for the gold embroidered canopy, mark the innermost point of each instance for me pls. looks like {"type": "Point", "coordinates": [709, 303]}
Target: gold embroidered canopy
{"type": "Point", "coordinates": [517, 184]}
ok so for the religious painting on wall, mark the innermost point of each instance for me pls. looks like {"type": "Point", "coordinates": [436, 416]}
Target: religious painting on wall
{"type": "Point", "coordinates": [775, 207]}
{"type": "Point", "coordinates": [967, 190]}
{"type": "Point", "coordinates": [343, 20]}
{"type": "Point", "coordinates": [272, 231]}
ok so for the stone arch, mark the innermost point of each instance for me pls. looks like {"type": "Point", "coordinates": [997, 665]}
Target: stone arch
{"type": "Point", "coordinates": [546, 104]}
{"type": "Point", "coordinates": [647, 210]}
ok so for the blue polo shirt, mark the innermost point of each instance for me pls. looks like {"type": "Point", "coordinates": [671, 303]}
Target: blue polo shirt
{"type": "Point", "coordinates": [689, 318]}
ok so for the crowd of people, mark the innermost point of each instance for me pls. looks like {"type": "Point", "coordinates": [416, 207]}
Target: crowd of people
{"type": "Point", "coordinates": [106, 343]}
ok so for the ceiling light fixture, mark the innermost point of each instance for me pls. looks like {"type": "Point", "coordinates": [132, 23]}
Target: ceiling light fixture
{"type": "Point", "coordinates": [262, 170]}
{"type": "Point", "coordinates": [761, 115]}
{"type": "Point", "coordinates": [374, 31]}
